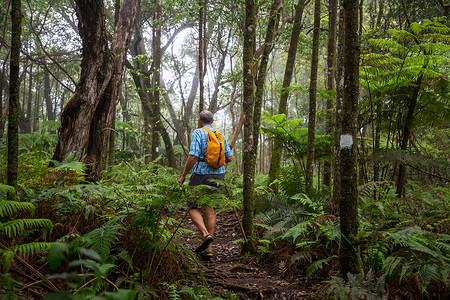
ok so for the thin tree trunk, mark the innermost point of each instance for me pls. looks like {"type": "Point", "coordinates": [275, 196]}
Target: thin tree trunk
{"type": "Point", "coordinates": [14, 87]}
{"type": "Point", "coordinates": [248, 101]}
{"type": "Point", "coordinates": [282, 109]}
{"type": "Point", "coordinates": [201, 53]}
{"type": "Point", "coordinates": [412, 102]}
{"type": "Point", "coordinates": [47, 98]}
{"type": "Point", "coordinates": [274, 17]}
{"type": "Point", "coordinates": [2, 123]}
{"type": "Point", "coordinates": [156, 120]}
{"type": "Point", "coordinates": [331, 70]}
{"type": "Point", "coordinates": [338, 112]}
{"type": "Point", "coordinates": [29, 118]}
{"type": "Point", "coordinates": [313, 100]}
{"type": "Point", "coordinates": [349, 260]}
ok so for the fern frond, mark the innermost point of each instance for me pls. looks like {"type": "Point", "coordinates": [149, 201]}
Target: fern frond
{"type": "Point", "coordinates": [318, 265]}
{"type": "Point", "coordinates": [101, 239]}
{"type": "Point", "coordinates": [9, 208]}
{"type": "Point", "coordinates": [16, 227]}
{"type": "Point", "coordinates": [390, 45]}
{"type": "Point", "coordinates": [30, 249]}
{"type": "Point", "coordinates": [297, 231]}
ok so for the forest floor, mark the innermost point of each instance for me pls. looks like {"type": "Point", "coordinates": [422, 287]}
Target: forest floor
{"type": "Point", "coordinates": [258, 277]}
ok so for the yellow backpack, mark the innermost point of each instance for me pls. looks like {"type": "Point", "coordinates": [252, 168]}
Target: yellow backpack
{"type": "Point", "coordinates": [215, 151]}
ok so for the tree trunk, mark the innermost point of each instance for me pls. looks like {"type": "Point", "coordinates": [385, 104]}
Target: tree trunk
{"type": "Point", "coordinates": [282, 109]}
{"type": "Point", "coordinates": [87, 117]}
{"type": "Point", "coordinates": [349, 261]}
{"type": "Point", "coordinates": [14, 87]}
{"type": "Point", "coordinates": [274, 17]}
{"type": "Point", "coordinates": [201, 53]}
{"type": "Point", "coordinates": [412, 101]}
{"type": "Point", "coordinates": [48, 100]}
{"type": "Point", "coordinates": [338, 112]}
{"type": "Point", "coordinates": [248, 100]}
{"type": "Point", "coordinates": [2, 123]}
{"type": "Point", "coordinates": [223, 52]}
{"type": "Point", "coordinates": [331, 70]}
{"type": "Point", "coordinates": [156, 72]}
{"type": "Point", "coordinates": [29, 117]}
{"type": "Point", "coordinates": [313, 100]}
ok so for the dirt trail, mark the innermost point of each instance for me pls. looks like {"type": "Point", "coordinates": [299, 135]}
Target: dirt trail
{"type": "Point", "coordinates": [247, 278]}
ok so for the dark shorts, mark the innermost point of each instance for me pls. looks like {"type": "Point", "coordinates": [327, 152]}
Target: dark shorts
{"type": "Point", "coordinates": [197, 179]}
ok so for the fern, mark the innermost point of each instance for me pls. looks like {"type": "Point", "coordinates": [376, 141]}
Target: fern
{"type": "Point", "coordinates": [102, 238]}
{"type": "Point", "coordinates": [358, 287]}
{"type": "Point", "coordinates": [318, 265]}
{"type": "Point", "coordinates": [9, 208]}
{"type": "Point", "coordinates": [19, 226]}
{"type": "Point", "coordinates": [31, 249]}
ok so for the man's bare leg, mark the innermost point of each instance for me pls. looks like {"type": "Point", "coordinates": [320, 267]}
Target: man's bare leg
{"type": "Point", "coordinates": [211, 222]}
{"type": "Point", "coordinates": [197, 219]}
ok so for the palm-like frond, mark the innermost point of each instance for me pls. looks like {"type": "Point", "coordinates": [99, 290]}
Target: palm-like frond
{"type": "Point", "coordinates": [9, 208]}
{"type": "Point", "coordinates": [30, 249]}
{"type": "Point", "coordinates": [17, 227]}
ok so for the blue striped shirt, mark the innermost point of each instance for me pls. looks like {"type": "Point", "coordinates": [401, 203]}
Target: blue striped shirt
{"type": "Point", "coordinates": [198, 148]}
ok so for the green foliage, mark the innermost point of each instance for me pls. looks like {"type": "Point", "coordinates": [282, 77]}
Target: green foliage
{"type": "Point", "coordinates": [16, 228]}
{"type": "Point", "coordinates": [101, 239]}
{"type": "Point", "coordinates": [359, 287]}
{"type": "Point", "coordinates": [295, 137]}
{"type": "Point", "coordinates": [418, 253]}
{"type": "Point", "coordinates": [93, 277]}
{"type": "Point", "coordinates": [317, 265]}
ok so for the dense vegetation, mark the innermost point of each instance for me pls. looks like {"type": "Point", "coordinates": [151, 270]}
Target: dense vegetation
{"type": "Point", "coordinates": [102, 217]}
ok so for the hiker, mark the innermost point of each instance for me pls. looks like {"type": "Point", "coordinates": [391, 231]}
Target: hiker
{"type": "Point", "coordinates": [204, 170]}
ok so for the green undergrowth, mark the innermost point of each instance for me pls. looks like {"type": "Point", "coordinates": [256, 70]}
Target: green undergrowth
{"type": "Point", "coordinates": [404, 243]}
{"type": "Point", "coordinates": [115, 239]}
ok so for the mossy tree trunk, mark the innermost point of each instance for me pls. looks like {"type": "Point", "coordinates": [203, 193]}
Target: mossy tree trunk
{"type": "Point", "coordinates": [275, 159]}
{"type": "Point", "coordinates": [156, 47]}
{"type": "Point", "coordinates": [248, 100]}
{"type": "Point", "coordinates": [331, 70]}
{"type": "Point", "coordinates": [313, 100]}
{"type": "Point", "coordinates": [338, 112]}
{"type": "Point", "coordinates": [14, 87]}
{"type": "Point", "coordinates": [201, 53]}
{"type": "Point", "coordinates": [349, 261]}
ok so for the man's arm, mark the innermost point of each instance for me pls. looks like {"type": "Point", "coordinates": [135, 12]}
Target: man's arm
{"type": "Point", "coordinates": [190, 163]}
{"type": "Point", "coordinates": [228, 159]}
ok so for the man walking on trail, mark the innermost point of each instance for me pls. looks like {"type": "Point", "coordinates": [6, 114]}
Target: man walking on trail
{"type": "Point", "coordinates": [203, 172]}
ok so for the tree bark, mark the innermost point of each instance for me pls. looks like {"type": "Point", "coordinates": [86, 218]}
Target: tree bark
{"type": "Point", "coordinates": [284, 95]}
{"type": "Point", "coordinates": [412, 102]}
{"type": "Point", "coordinates": [156, 71]}
{"type": "Point", "coordinates": [29, 117]}
{"type": "Point", "coordinates": [338, 112]}
{"type": "Point", "coordinates": [248, 100]}
{"type": "Point", "coordinates": [87, 117]}
{"type": "Point", "coordinates": [48, 100]}
{"type": "Point", "coordinates": [14, 87]}
{"type": "Point", "coordinates": [201, 53]}
{"type": "Point", "coordinates": [349, 261]}
{"type": "Point", "coordinates": [331, 70]}
{"type": "Point", "coordinates": [274, 17]}
{"type": "Point", "coordinates": [313, 100]}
